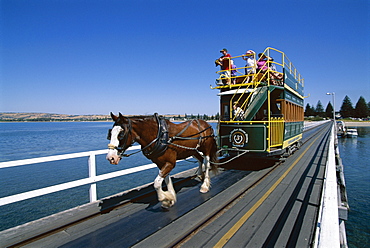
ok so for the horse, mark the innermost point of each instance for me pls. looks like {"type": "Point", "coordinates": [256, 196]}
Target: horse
{"type": "Point", "coordinates": [165, 142]}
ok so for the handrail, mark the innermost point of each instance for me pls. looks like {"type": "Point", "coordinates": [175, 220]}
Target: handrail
{"type": "Point", "coordinates": [284, 63]}
{"type": "Point", "coordinates": [92, 179]}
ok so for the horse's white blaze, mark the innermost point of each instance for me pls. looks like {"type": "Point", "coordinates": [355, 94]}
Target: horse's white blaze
{"type": "Point", "coordinates": [114, 135]}
{"type": "Point", "coordinates": [112, 153]}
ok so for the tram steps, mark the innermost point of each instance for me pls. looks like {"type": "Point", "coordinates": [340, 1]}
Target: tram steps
{"type": "Point", "coordinates": [258, 98]}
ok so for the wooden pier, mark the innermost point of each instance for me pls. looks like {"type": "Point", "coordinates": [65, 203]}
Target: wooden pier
{"type": "Point", "coordinates": [252, 203]}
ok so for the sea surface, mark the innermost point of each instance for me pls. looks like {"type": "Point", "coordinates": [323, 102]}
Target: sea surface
{"type": "Point", "coordinates": [30, 140]}
{"type": "Point", "coordinates": [356, 162]}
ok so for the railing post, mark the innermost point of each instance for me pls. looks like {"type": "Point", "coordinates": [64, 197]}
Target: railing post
{"type": "Point", "coordinates": [92, 174]}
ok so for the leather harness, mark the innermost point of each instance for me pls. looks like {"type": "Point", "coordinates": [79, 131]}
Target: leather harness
{"type": "Point", "coordinates": [161, 145]}
{"type": "Point", "coordinates": [162, 141]}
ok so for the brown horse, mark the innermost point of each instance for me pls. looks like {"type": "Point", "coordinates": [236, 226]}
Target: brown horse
{"type": "Point", "coordinates": [165, 142]}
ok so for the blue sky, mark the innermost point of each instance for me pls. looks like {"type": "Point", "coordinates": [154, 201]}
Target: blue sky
{"type": "Point", "coordinates": [141, 57]}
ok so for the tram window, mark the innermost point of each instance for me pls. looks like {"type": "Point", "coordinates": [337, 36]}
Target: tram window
{"type": "Point", "coordinates": [275, 108]}
{"type": "Point", "coordinates": [292, 112]}
{"type": "Point", "coordinates": [226, 112]}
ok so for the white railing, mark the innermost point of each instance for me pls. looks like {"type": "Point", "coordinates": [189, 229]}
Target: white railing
{"type": "Point", "coordinates": [327, 230]}
{"type": "Point", "coordinates": [92, 179]}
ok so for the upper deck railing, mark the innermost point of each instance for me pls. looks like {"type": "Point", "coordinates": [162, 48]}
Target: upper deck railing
{"type": "Point", "coordinates": [278, 63]}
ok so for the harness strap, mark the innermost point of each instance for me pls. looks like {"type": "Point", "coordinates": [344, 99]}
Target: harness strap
{"type": "Point", "coordinates": [177, 136]}
{"type": "Point", "coordinates": [161, 143]}
{"type": "Point", "coordinates": [162, 140]}
{"type": "Point", "coordinates": [182, 131]}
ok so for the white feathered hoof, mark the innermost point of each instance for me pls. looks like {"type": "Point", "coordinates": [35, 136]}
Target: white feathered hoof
{"type": "Point", "coordinates": [167, 204]}
{"type": "Point", "coordinates": [169, 199]}
{"type": "Point", "coordinates": [205, 186]}
{"type": "Point", "coordinates": [204, 189]}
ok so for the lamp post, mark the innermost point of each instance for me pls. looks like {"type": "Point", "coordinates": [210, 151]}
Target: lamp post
{"type": "Point", "coordinates": [333, 94]}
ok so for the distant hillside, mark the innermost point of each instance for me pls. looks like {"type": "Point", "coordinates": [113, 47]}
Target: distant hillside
{"type": "Point", "coordinates": [60, 117]}
{"type": "Point", "coordinates": [51, 117]}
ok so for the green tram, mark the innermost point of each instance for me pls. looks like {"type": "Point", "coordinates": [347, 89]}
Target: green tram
{"type": "Point", "coordinates": [261, 111]}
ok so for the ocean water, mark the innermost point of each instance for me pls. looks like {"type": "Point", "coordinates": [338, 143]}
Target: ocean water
{"type": "Point", "coordinates": [355, 157]}
{"type": "Point", "coordinates": [30, 140]}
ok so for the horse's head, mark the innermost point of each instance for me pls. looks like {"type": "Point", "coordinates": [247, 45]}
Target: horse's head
{"type": "Point", "coordinates": [120, 137]}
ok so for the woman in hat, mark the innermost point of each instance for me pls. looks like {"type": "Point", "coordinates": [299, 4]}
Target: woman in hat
{"type": "Point", "coordinates": [250, 66]}
{"type": "Point", "coordinates": [262, 63]}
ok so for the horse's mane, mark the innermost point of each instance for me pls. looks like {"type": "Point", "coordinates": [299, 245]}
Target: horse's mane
{"type": "Point", "coordinates": [140, 117]}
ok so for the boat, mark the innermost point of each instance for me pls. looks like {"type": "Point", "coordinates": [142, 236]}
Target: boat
{"type": "Point", "coordinates": [341, 128]}
{"type": "Point", "coordinates": [351, 132]}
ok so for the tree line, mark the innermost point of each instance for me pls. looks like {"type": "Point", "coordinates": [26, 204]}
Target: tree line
{"type": "Point", "coordinates": [361, 109]}
{"type": "Point", "coordinates": [198, 116]}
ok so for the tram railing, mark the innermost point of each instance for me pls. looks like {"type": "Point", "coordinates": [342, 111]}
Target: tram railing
{"type": "Point", "coordinates": [280, 63]}
{"type": "Point", "coordinates": [91, 180]}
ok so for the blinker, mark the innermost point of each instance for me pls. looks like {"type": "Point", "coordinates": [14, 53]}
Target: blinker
{"type": "Point", "coordinates": [109, 136]}
{"type": "Point", "coordinates": [121, 135]}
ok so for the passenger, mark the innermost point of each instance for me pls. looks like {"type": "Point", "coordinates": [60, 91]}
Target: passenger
{"type": "Point", "coordinates": [276, 77]}
{"type": "Point", "coordinates": [225, 65]}
{"type": "Point", "coordinates": [271, 64]}
{"type": "Point", "coordinates": [238, 112]}
{"type": "Point", "coordinates": [233, 72]}
{"type": "Point", "coordinates": [250, 66]}
{"type": "Point", "coordinates": [262, 63]}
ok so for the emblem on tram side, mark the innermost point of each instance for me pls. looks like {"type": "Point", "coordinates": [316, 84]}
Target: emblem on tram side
{"type": "Point", "coordinates": [238, 137]}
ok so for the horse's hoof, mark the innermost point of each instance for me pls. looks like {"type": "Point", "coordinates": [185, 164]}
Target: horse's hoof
{"type": "Point", "coordinates": [167, 204]}
{"type": "Point", "coordinates": [203, 190]}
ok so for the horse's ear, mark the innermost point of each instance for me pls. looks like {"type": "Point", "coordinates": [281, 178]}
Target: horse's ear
{"type": "Point", "coordinates": [120, 115]}
{"type": "Point", "coordinates": [113, 116]}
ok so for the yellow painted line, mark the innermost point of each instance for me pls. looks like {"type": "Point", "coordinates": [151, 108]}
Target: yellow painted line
{"type": "Point", "coordinates": [246, 216]}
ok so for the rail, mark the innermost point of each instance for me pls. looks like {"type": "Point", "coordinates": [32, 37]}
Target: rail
{"type": "Point", "coordinates": [91, 180]}
{"type": "Point", "coordinates": [279, 64]}
{"type": "Point", "coordinates": [333, 209]}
